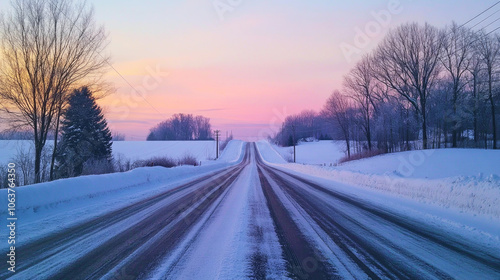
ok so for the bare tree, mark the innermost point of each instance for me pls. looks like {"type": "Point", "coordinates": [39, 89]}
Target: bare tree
{"type": "Point", "coordinates": [49, 47]}
{"type": "Point", "coordinates": [361, 86]}
{"type": "Point", "coordinates": [337, 109]}
{"type": "Point", "coordinates": [408, 62]}
{"type": "Point", "coordinates": [475, 72]}
{"type": "Point", "coordinates": [24, 160]}
{"type": "Point", "coordinates": [456, 59]}
{"type": "Point", "coordinates": [118, 136]}
{"type": "Point", "coordinates": [489, 51]}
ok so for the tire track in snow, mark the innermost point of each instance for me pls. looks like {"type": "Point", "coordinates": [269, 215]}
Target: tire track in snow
{"type": "Point", "coordinates": [303, 259]}
{"type": "Point", "coordinates": [266, 258]}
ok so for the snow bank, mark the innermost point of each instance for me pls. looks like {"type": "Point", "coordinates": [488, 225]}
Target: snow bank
{"type": "Point", "coordinates": [52, 194]}
{"type": "Point", "coordinates": [268, 153]}
{"type": "Point", "coordinates": [232, 152]}
{"type": "Point", "coordinates": [463, 179]}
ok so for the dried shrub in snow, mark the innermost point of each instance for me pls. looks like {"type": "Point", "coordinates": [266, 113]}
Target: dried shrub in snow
{"type": "Point", "coordinates": [188, 160]}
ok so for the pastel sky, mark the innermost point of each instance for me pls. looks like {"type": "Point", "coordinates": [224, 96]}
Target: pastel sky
{"type": "Point", "coordinates": [244, 65]}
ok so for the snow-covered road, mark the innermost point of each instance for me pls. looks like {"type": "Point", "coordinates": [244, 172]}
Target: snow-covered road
{"type": "Point", "coordinates": [254, 221]}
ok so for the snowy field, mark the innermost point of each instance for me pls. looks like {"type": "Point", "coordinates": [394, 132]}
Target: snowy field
{"type": "Point", "coordinates": [467, 180]}
{"type": "Point", "coordinates": [323, 152]}
{"type": "Point", "coordinates": [132, 150]}
{"type": "Point", "coordinates": [89, 196]}
{"type": "Point", "coordinates": [431, 164]}
{"type": "Point", "coordinates": [139, 150]}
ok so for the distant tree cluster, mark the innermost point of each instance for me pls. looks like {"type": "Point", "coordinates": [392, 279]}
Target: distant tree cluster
{"type": "Point", "coordinates": [118, 137]}
{"type": "Point", "coordinates": [12, 134]}
{"type": "Point", "coordinates": [182, 127]}
{"type": "Point", "coordinates": [304, 126]}
{"type": "Point", "coordinates": [422, 87]}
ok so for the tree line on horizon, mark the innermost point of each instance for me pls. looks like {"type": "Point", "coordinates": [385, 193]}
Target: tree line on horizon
{"type": "Point", "coordinates": [182, 127]}
{"type": "Point", "coordinates": [422, 87]}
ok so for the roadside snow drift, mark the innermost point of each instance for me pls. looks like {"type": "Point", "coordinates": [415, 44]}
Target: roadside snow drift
{"type": "Point", "coordinates": [464, 179]}
{"type": "Point", "coordinates": [50, 194]}
{"type": "Point", "coordinates": [101, 192]}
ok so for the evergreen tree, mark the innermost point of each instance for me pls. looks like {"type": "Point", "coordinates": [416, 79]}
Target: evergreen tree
{"type": "Point", "coordinates": [86, 138]}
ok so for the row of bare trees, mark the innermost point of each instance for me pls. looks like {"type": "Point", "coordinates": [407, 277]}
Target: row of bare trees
{"type": "Point", "coordinates": [422, 87]}
{"type": "Point", "coordinates": [448, 74]}
{"type": "Point", "coordinates": [48, 48]}
{"type": "Point", "coordinates": [307, 125]}
{"type": "Point", "coordinates": [182, 127]}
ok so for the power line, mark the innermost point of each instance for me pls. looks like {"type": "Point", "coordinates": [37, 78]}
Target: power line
{"type": "Point", "coordinates": [492, 31]}
{"type": "Point", "coordinates": [484, 19]}
{"type": "Point", "coordinates": [480, 13]}
{"type": "Point", "coordinates": [490, 23]}
{"type": "Point", "coordinates": [482, 28]}
{"type": "Point", "coordinates": [130, 85]}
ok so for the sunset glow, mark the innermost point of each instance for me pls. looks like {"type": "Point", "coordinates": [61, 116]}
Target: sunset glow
{"type": "Point", "coordinates": [247, 69]}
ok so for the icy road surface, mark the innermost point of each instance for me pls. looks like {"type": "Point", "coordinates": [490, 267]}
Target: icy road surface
{"type": "Point", "coordinates": [258, 222]}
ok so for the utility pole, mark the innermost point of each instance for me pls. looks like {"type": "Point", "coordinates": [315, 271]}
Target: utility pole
{"type": "Point", "coordinates": [217, 143]}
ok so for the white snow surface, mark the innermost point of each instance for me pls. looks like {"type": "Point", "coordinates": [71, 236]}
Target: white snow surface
{"type": "Point", "coordinates": [71, 201]}
{"type": "Point", "coordinates": [140, 150]}
{"type": "Point", "coordinates": [126, 150]}
{"type": "Point", "coordinates": [324, 152]}
{"type": "Point", "coordinates": [9, 149]}
{"type": "Point", "coordinates": [430, 164]}
{"type": "Point", "coordinates": [465, 180]}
